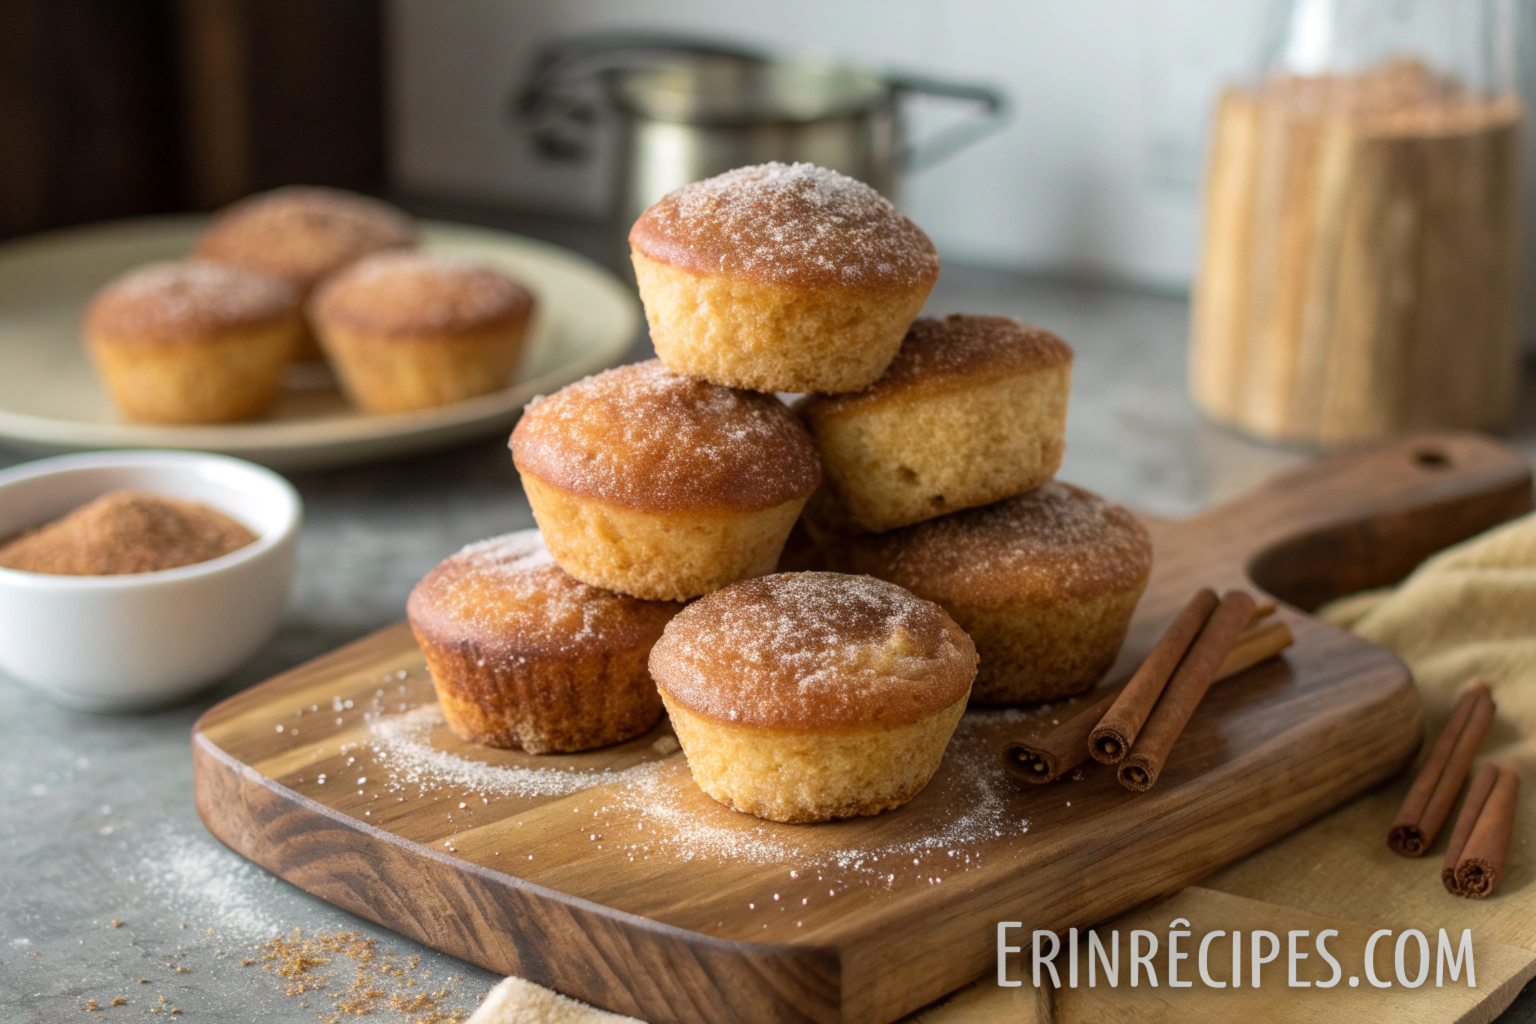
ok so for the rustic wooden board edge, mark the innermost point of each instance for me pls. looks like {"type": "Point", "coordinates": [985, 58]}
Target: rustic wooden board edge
{"type": "Point", "coordinates": [352, 865]}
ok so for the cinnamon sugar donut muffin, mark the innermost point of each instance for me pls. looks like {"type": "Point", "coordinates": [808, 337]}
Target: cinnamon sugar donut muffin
{"type": "Point", "coordinates": [193, 342]}
{"type": "Point", "coordinates": [411, 330]}
{"type": "Point", "coordinates": [303, 233]}
{"type": "Point", "coordinates": [1044, 582]}
{"type": "Point", "coordinates": [809, 696]}
{"type": "Point", "coordinates": [523, 655]}
{"type": "Point", "coordinates": [780, 278]}
{"type": "Point", "coordinates": [972, 409]}
{"type": "Point", "coordinates": [663, 486]}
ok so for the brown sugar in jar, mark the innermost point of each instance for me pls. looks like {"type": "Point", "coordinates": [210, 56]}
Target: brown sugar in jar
{"type": "Point", "coordinates": [126, 532]}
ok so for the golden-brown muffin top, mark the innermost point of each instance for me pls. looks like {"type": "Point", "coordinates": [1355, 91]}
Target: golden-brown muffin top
{"type": "Point", "coordinates": [958, 351]}
{"type": "Point", "coordinates": [507, 598]}
{"type": "Point", "coordinates": [302, 233]}
{"type": "Point", "coordinates": [816, 652]}
{"type": "Point", "coordinates": [796, 225]}
{"type": "Point", "coordinates": [1057, 542]}
{"type": "Point", "coordinates": [644, 437]}
{"type": "Point", "coordinates": [186, 301]}
{"type": "Point", "coordinates": [415, 293]}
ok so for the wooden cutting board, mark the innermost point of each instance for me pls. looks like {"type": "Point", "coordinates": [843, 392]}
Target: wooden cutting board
{"type": "Point", "coordinates": [609, 876]}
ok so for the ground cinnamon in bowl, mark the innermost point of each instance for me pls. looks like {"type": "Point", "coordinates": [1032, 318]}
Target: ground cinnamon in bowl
{"type": "Point", "coordinates": [126, 532]}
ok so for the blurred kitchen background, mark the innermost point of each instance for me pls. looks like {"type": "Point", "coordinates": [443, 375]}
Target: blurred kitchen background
{"type": "Point", "coordinates": [1086, 168]}
{"type": "Point", "coordinates": [117, 107]}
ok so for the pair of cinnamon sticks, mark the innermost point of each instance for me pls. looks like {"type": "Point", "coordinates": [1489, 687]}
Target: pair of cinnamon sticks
{"type": "Point", "coordinates": [1135, 727]}
{"type": "Point", "coordinates": [1479, 843]}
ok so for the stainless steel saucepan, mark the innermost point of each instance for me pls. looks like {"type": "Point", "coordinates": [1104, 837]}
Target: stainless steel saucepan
{"type": "Point", "coordinates": [690, 108]}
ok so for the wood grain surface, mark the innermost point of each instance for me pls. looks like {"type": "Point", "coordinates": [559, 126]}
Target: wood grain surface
{"type": "Point", "coordinates": [1357, 281]}
{"type": "Point", "coordinates": [640, 894]}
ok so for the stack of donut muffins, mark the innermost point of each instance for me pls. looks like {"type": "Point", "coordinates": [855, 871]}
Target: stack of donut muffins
{"type": "Point", "coordinates": [917, 465]}
{"type": "Point", "coordinates": [304, 273]}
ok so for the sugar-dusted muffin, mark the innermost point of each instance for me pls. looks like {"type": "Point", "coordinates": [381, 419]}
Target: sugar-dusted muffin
{"type": "Point", "coordinates": [972, 409]}
{"type": "Point", "coordinates": [302, 233]}
{"type": "Point", "coordinates": [411, 330]}
{"type": "Point", "coordinates": [663, 486]}
{"type": "Point", "coordinates": [780, 278]}
{"type": "Point", "coordinates": [523, 655]}
{"type": "Point", "coordinates": [193, 342]}
{"type": "Point", "coordinates": [809, 696]}
{"type": "Point", "coordinates": [1044, 582]}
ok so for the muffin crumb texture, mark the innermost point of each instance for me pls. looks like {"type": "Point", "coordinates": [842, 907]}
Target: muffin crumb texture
{"type": "Point", "coordinates": [645, 437]}
{"type": "Point", "coordinates": [409, 292]}
{"type": "Point", "coordinates": [787, 224]}
{"type": "Point", "coordinates": [175, 300]}
{"type": "Point", "coordinates": [126, 532]}
{"type": "Point", "coordinates": [813, 650]}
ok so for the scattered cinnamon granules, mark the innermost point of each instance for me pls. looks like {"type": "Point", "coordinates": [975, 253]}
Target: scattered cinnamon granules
{"type": "Point", "coordinates": [126, 532]}
{"type": "Point", "coordinates": [90, 1004]}
{"type": "Point", "coordinates": [375, 973]}
{"type": "Point", "coordinates": [118, 1001]}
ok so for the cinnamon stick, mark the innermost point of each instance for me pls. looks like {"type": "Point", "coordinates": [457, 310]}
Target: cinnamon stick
{"type": "Point", "coordinates": [1255, 644]}
{"type": "Point", "coordinates": [1066, 746]}
{"type": "Point", "coordinates": [1194, 676]}
{"type": "Point", "coordinates": [1060, 750]}
{"type": "Point", "coordinates": [1482, 785]}
{"type": "Point", "coordinates": [1111, 739]}
{"type": "Point", "coordinates": [1429, 800]}
{"type": "Point", "coordinates": [1482, 861]}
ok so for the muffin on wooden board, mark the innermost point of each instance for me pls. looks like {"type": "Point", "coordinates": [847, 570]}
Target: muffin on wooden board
{"type": "Point", "coordinates": [1044, 582]}
{"type": "Point", "coordinates": [193, 342]}
{"type": "Point", "coordinates": [810, 696]}
{"type": "Point", "coordinates": [412, 330]}
{"type": "Point", "coordinates": [663, 486]}
{"type": "Point", "coordinates": [780, 278]}
{"type": "Point", "coordinates": [302, 233]}
{"type": "Point", "coordinates": [972, 409]}
{"type": "Point", "coordinates": [523, 655]}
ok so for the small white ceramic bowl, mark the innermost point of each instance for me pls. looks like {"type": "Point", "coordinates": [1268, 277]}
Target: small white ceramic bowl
{"type": "Point", "coordinates": [120, 643]}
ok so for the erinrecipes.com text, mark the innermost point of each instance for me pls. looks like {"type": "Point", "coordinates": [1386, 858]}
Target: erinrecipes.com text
{"type": "Point", "coordinates": [1222, 959]}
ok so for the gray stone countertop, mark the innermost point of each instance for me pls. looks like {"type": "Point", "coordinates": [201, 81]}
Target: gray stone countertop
{"type": "Point", "coordinates": [96, 818]}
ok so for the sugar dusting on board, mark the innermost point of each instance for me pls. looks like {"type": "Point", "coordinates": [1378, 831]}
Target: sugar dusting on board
{"type": "Point", "coordinates": [403, 743]}
{"type": "Point", "coordinates": [653, 809]}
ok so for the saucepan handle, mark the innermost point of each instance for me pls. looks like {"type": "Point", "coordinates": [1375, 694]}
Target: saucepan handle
{"type": "Point", "coordinates": [992, 112]}
{"type": "Point", "coordinates": [555, 99]}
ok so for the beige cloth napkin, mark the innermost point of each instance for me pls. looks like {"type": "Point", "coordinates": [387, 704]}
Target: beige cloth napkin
{"type": "Point", "coordinates": [1470, 610]}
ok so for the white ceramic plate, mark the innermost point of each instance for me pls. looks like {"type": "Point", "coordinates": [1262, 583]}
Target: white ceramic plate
{"type": "Point", "coordinates": [50, 398]}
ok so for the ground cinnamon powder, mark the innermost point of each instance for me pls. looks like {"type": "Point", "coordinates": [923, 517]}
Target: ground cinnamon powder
{"type": "Point", "coordinates": [126, 532]}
